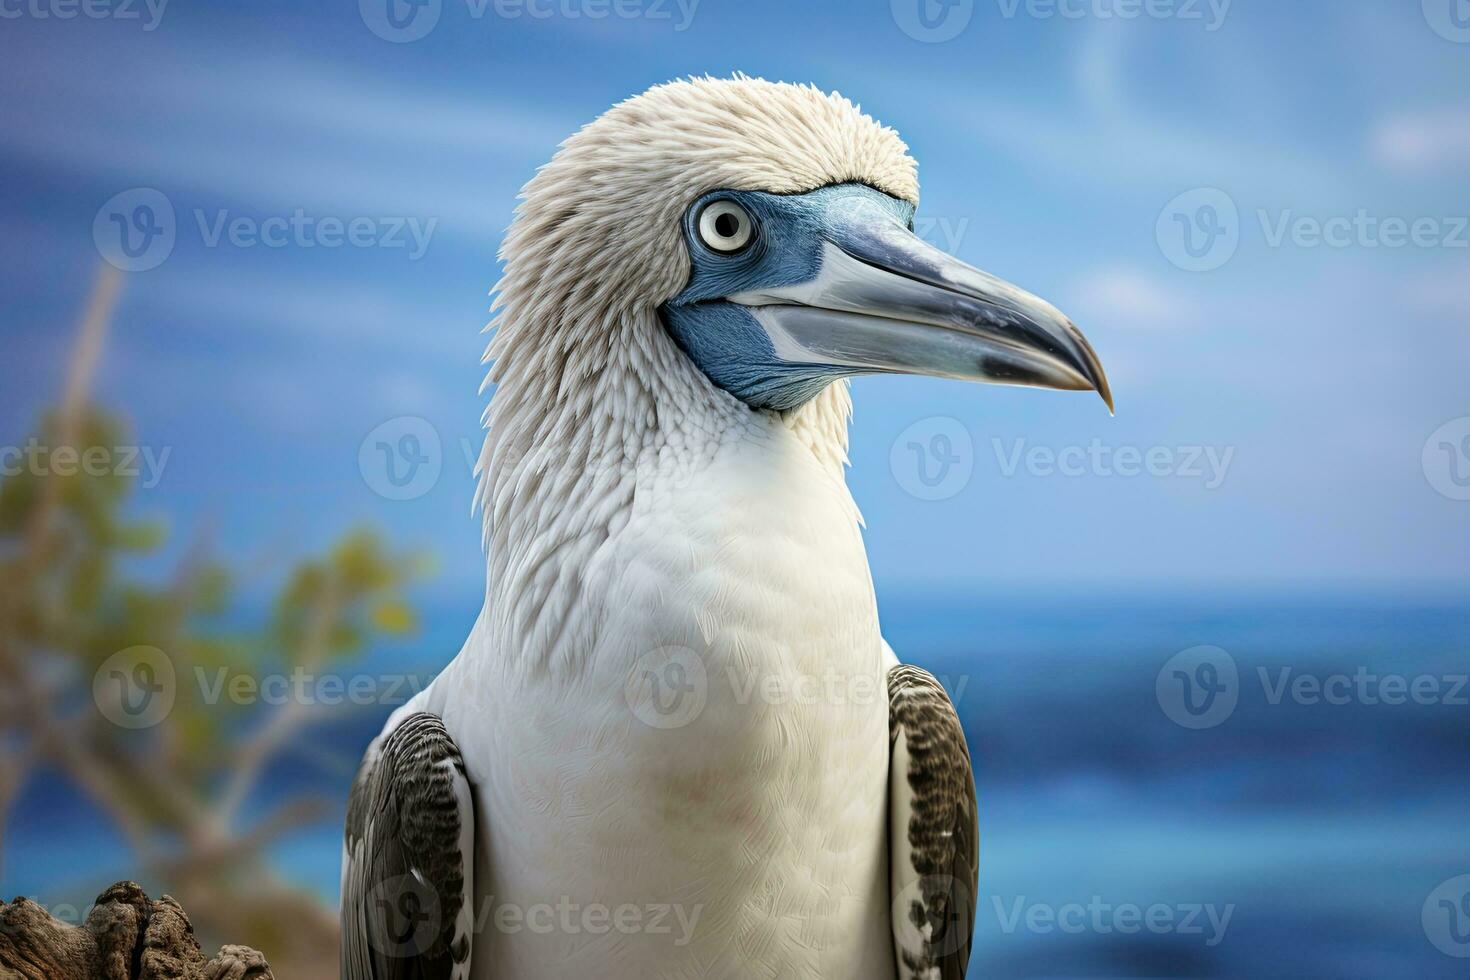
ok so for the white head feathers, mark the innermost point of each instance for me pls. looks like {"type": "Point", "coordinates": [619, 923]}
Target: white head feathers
{"type": "Point", "coordinates": [597, 231]}
{"type": "Point", "coordinates": [586, 375]}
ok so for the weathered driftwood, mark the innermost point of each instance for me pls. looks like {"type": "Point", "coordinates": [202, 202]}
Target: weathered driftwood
{"type": "Point", "coordinates": [127, 936]}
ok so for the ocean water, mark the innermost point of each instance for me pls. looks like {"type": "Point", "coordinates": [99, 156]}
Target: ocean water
{"type": "Point", "coordinates": [1168, 787]}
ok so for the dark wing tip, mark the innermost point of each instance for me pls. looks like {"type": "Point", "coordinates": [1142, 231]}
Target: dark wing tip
{"type": "Point", "coordinates": [936, 895]}
{"type": "Point", "coordinates": [405, 878]}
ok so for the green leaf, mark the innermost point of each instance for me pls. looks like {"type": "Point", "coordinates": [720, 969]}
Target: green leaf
{"type": "Point", "coordinates": [395, 617]}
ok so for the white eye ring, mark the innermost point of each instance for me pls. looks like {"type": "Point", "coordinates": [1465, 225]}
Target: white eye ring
{"type": "Point", "coordinates": [725, 226]}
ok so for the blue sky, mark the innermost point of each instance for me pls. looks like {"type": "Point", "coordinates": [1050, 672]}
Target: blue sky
{"type": "Point", "coordinates": [1054, 147]}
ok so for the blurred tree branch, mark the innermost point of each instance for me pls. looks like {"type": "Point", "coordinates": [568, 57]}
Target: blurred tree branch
{"type": "Point", "coordinates": [178, 788]}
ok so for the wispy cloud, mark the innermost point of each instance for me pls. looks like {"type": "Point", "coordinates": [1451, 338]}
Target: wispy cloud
{"type": "Point", "coordinates": [277, 133]}
{"type": "Point", "coordinates": [1128, 298]}
{"type": "Point", "coordinates": [1444, 292]}
{"type": "Point", "coordinates": [1114, 132]}
{"type": "Point", "coordinates": [350, 317]}
{"type": "Point", "coordinates": [1424, 142]}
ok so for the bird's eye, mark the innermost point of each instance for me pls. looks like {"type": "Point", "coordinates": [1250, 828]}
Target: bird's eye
{"type": "Point", "coordinates": [725, 226]}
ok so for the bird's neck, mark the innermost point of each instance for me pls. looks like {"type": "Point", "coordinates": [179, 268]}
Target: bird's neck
{"type": "Point", "coordinates": [575, 425]}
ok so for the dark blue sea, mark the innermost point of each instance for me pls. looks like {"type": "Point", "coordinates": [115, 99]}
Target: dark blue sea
{"type": "Point", "coordinates": [1169, 787]}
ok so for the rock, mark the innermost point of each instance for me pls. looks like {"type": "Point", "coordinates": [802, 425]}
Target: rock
{"type": "Point", "coordinates": [127, 936]}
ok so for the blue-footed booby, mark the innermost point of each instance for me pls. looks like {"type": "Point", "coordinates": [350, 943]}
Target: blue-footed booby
{"type": "Point", "coordinates": [676, 744]}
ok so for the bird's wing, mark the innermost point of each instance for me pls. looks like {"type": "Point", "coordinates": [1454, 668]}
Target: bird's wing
{"type": "Point", "coordinates": [408, 861]}
{"type": "Point", "coordinates": [933, 829]}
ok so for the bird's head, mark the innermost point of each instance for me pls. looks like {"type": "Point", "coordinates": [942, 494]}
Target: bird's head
{"type": "Point", "coordinates": [789, 291]}
{"type": "Point", "coordinates": [767, 230]}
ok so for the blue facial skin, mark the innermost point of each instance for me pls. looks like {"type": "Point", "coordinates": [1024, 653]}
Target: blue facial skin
{"type": "Point", "coordinates": [724, 339]}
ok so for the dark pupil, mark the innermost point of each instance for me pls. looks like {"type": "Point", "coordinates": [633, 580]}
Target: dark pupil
{"type": "Point", "coordinates": [726, 225]}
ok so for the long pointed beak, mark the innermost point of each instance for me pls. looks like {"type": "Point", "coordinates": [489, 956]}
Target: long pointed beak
{"type": "Point", "coordinates": [886, 301]}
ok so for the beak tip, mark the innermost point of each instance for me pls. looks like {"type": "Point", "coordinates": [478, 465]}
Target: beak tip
{"type": "Point", "coordinates": [1092, 368]}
